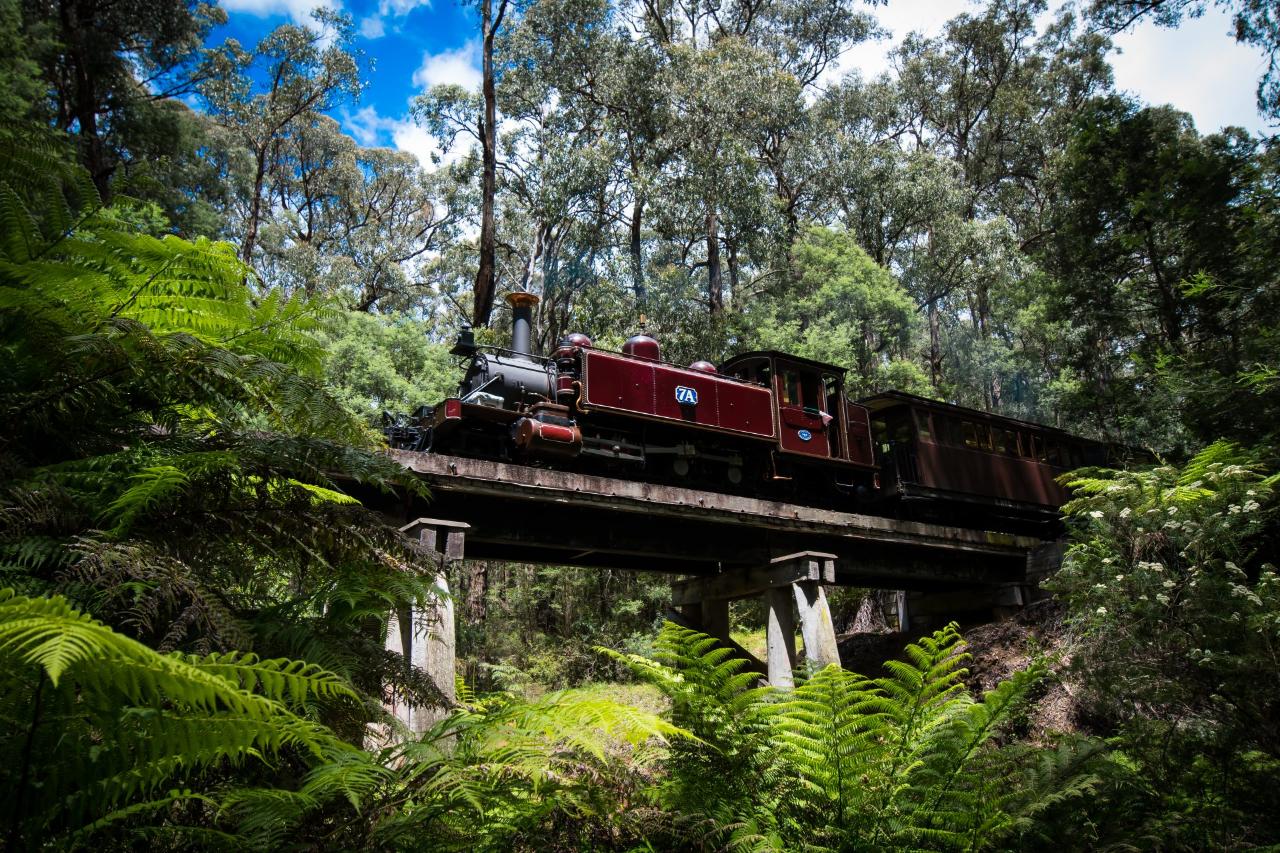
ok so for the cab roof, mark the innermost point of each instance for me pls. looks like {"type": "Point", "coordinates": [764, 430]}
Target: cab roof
{"type": "Point", "coordinates": [778, 355]}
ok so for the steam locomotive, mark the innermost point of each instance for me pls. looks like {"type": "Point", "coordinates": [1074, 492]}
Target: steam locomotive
{"type": "Point", "coordinates": [767, 424]}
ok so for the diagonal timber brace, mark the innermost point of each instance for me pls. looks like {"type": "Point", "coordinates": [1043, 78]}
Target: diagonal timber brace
{"type": "Point", "coordinates": [792, 585]}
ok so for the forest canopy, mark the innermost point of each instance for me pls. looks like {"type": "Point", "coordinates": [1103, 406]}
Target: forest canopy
{"type": "Point", "coordinates": [210, 291]}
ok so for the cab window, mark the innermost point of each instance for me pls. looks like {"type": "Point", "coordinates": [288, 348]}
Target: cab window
{"type": "Point", "coordinates": [791, 388]}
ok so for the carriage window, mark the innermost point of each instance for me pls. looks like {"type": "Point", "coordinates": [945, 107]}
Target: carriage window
{"type": "Point", "coordinates": [1005, 441]}
{"type": "Point", "coordinates": [880, 434]}
{"type": "Point", "coordinates": [902, 431]}
{"type": "Point", "coordinates": [923, 427]}
{"type": "Point", "coordinates": [976, 436]}
{"type": "Point", "coordinates": [948, 430]}
{"type": "Point", "coordinates": [1053, 454]}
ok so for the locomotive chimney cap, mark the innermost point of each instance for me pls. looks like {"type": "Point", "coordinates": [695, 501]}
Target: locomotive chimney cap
{"type": "Point", "coordinates": [522, 299]}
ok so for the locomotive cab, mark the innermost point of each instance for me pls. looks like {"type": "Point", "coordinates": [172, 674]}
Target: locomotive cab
{"type": "Point", "coordinates": [815, 418]}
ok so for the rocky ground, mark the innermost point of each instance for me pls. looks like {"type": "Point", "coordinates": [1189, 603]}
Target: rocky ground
{"type": "Point", "coordinates": [997, 650]}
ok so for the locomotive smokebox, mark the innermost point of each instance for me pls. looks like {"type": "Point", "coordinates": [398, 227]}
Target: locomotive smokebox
{"type": "Point", "coordinates": [522, 320]}
{"type": "Point", "coordinates": [513, 378]}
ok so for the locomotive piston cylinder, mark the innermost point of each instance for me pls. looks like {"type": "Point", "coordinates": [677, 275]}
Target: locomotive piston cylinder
{"type": "Point", "coordinates": [545, 439]}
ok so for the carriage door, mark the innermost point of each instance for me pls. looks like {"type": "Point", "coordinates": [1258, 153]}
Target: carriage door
{"type": "Point", "coordinates": [804, 421]}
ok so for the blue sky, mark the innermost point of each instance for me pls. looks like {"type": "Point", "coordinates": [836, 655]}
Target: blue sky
{"type": "Point", "coordinates": [414, 44]}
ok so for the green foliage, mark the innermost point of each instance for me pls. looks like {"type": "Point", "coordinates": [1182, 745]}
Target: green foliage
{"type": "Point", "coordinates": [172, 462]}
{"type": "Point", "coordinates": [1177, 604]}
{"type": "Point", "coordinates": [844, 309]}
{"type": "Point", "coordinates": [844, 762]}
{"type": "Point", "coordinates": [104, 734]}
{"type": "Point", "coordinates": [504, 773]}
{"type": "Point", "coordinates": [386, 363]}
{"type": "Point", "coordinates": [1162, 248]}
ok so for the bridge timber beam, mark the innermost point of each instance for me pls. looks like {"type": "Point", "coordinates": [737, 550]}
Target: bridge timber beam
{"type": "Point", "coordinates": [527, 514]}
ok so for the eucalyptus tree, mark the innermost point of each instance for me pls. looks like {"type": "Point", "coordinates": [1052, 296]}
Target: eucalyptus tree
{"type": "Point", "coordinates": [844, 308]}
{"type": "Point", "coordinates": [492, 15]}
{"type": "Point", "coordinates": [106, 64]}
{"type": "Point", "coordinates": [352, 221]}
{"type": "Point", "coordinates": [577, 55]}
{"type": "Point", "coordinates": [997, 98]}
{"type": "Point", "coordinates": [727, 97]}
{"type": "Point", "coordinates": [1158, 244]}
{"type": "Point", "coordinates": [559, 191]}
{"type": "Point", "coordinates": [264, 96]}
{"type": "Point", "coordinates": [774, 49]}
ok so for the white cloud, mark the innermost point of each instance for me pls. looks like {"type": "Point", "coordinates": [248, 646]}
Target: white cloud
{"type": "Point", "coordinates": [366, 126]}
{"type": "Point", "coordinates": [460, 67]}
{"type": "Point", "coordinates": [408, 136]}
{"type": "Point", "coordinates": [370, 129]}
{"type": "Point", "coordinates": [1198, 67]}
{"type": "Point", "coordinates": [400, 8]}
{"type": "Point", "coordinates": [298, 10]}
{"type": "Point", "coordinates": [871, 58]}
{"type": "Point", "coordinates": [389, 11]}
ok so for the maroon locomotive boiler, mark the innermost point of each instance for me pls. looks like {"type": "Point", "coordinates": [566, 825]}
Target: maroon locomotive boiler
{"type": "Point", "coordinates": [764, 423]}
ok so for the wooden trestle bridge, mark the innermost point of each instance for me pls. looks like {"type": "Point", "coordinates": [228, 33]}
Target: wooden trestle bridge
{"type": "Point", "coordinates": [728, 546]}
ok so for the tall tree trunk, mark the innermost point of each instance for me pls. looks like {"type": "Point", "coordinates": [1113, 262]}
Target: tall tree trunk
{"type": "Point", "coordinates": [866, 358]}
{"type": "Point", "coordinates": [935, 344]}
{"type": "Point", "coordinates": [637, 259]}
{"type": "Point", "coordinates": [477, 590]}
{"type": "Point", "coordinates": [982, 317]}
{"type": "Point", "coordinates": [84, 108]}
{"type": "Point", "coordinates": [255, 210]}
{"type": "Point", "coordinates": [732, 246]}
{"type": "Point", "coordinates": [715, 284]}
{"type": "Point", "coordinates": [486, 275]}
{"type": "Point", "coordinates": [535, 256]}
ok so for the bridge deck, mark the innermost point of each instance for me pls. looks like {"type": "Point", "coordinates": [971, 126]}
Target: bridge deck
{"type": "Point", "coordinates": [529, 514]}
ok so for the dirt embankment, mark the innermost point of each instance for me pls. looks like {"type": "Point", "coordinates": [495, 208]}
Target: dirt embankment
{"type": "Point", "coordinates": [997, 650]}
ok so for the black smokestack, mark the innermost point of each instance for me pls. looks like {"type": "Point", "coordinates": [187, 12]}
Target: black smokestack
{"type": "Point", "coordinates": [521, 320]}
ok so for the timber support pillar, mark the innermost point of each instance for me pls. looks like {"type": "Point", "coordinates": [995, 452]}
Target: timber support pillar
{"type": "Point", "coordinates": [790, 585]}
{"type": "Point", "coordinates": [424, 631]}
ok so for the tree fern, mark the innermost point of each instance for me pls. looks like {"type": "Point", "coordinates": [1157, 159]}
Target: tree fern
{"type": "Point", "coordinates": [127, 722]}
{"type": "Point", "coordinates": [844, 762]}
{"type": "Point", "coordinates": [502, 769]}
